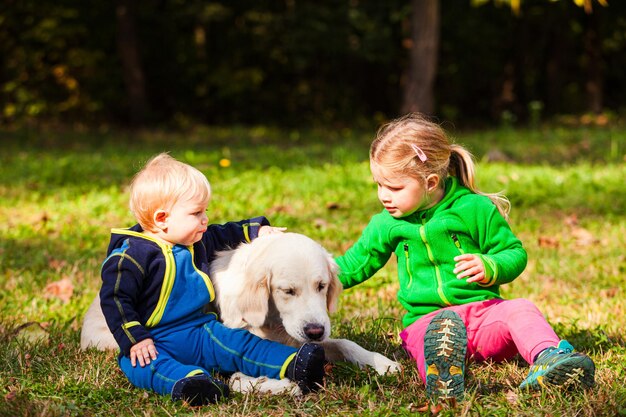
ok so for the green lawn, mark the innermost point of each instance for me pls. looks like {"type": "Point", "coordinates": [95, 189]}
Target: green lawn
{"type": "Point", "coordinates": [61, 192]}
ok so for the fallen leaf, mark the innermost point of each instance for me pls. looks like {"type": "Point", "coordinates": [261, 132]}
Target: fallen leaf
{"type": "Point", "coordinates": [413, 408]}
{"type": "Point", "coordinates": [610, 292]}
{"type": "Point", "coordinates": [62, 289]}
{"type": "Point", "coordinates": [56, 264]}
{"type": "Point", "coordinates": [333, 206]}
{"type": "Point", "coordinates": [435, 409]}
{"type": "Point", "coordinates": [571, 220]}
{"type": "Point", "coordinates": [328, 368]}
{"type": "Point", "coordinates": [512, 397]}
{"type": "Point", "coordinates": [548, 242]}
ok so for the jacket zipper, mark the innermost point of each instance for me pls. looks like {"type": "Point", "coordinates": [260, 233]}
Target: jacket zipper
{"type": "Point", "coordinates": [457, 243]}
{"type": "Point", "coordinates": [205, 277]}
{"type": "Point", "coordinates": [166, 289]}
{"type": "Point", "coordinates": [408, 264]}
{"type": "Point", "coordinates": [437, 271]}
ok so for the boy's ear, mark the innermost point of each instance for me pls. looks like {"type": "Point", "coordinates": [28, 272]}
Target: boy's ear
{"type": "Point", "coordinates": [160, 219]}
{"type": "Point", "coordinates": [432, 182]}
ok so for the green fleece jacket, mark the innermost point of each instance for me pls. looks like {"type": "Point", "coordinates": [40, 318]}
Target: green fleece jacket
{"type": "Point", "coordinates": [425, 244]}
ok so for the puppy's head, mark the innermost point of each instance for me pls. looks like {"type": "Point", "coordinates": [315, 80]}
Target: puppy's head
{"type": "Point", "coordinates": [285, 279]}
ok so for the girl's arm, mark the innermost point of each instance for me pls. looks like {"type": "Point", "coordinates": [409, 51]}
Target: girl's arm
{"type": "Point", "coordinates": [369, 254]}
{"type": "Point", "coordinates": [502, 254]}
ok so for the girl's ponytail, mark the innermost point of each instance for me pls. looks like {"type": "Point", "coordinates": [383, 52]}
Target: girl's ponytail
{"type": "Point", "coordinates": [463, 168]}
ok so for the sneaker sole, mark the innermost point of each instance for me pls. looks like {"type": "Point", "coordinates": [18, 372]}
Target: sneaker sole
{"type": "Point", "coordinates": [445, 346]}
{"type": "Point", "coordinates": [575, 371]}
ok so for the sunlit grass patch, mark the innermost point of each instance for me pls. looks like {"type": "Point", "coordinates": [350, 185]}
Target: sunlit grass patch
{"type": "Point", "coordinates": [59, 196]}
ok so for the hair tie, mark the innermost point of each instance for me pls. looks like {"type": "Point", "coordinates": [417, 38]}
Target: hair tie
{"type": "Point", "coordinates": [419, 152]}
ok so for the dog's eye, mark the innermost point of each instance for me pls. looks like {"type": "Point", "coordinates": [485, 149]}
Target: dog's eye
{"type": "Point", "coordinates": [289, 291]}
{"type": "Point", "coordinates": [321, 286]}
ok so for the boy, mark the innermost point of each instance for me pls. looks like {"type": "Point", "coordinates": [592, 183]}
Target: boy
{"type": "Point", "coordinates": [155, 285]}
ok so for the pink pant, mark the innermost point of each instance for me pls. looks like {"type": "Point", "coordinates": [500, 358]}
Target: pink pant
{"type": "Point", "coordinates": [496, 329]}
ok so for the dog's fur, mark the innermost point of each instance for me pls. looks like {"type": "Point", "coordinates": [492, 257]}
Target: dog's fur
{"type": "Point", "coordinates": [279, 287]}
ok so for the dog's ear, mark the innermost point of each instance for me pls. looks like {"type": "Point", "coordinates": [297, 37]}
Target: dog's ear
{"type": "Point", "coordinates": [335, 287]}
{"type": "Point", "coordinates": [253, 302]}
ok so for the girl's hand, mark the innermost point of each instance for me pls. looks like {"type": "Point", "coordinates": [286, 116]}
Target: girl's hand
{"type": "Point", "coordinates": [469, 266]}
{"type": "Point", "coordinates": [268, 230]}
{"type": "Point", "coordinates": [143, 351]}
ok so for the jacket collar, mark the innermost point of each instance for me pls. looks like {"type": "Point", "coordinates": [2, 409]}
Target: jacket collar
{"type": "Point", "coordinates": [453, 190]}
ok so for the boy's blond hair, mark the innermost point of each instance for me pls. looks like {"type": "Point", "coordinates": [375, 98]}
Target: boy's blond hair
{"type": "Point", "coordinates": [161, 183]}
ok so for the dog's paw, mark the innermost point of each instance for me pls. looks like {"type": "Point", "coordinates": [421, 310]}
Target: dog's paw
{"type": "Point", "coordinates": [384, 365]}
{"type": "Point", "coordinates": [262, 385]}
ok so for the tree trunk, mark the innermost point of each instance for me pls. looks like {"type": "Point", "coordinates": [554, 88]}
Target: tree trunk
{"type": "Point", "coordinates": [419, 79]}
{"type": "Point", "coordinates": [557, 51]}
{"type": "Point", "coordinates": [595, 81]}
{"type": "Point", "coordinates": [132, 70]}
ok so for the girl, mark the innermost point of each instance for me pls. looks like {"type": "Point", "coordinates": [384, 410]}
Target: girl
{"type": "Point", "coordinates": [454, 250]}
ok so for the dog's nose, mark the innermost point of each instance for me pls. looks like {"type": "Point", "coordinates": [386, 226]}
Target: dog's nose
{"type": "Point", "coordinates": [314, 331]}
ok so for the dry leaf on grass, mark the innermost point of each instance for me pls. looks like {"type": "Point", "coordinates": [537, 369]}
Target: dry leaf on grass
{"type": "Point", "coordinates": [548, 242]}
{"type": "Point", "coordinates": [62, 289]}
{"type": "Point", "coordinates": [512, 397]}
{"type": "Point", "coordinates": [571, 220]}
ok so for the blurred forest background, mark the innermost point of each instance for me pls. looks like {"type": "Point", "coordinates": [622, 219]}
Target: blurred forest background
{"type": "Point", "coordinates": [177, 63]}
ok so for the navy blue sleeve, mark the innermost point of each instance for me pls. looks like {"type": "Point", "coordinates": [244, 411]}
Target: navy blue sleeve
{"type": "Point", "coordinates": [229, 235]}
{"type": "Point", "coordinates": [122, 279]}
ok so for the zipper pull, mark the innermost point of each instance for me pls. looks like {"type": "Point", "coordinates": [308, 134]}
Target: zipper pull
{"type": "Point", "coordinates": [456, 241]}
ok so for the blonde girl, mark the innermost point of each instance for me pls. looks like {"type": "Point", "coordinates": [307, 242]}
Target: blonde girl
{"type": "Point", "coordinates": [454, 249]}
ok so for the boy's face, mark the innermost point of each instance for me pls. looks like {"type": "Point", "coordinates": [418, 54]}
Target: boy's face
{"type": "Point", "coordinates": [186, 222]}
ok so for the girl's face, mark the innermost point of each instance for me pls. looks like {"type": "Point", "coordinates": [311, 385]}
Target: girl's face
{"type": "Point", "coordinates": [400, 195]}
{"type": "Point", "coordinates": [185, 223]}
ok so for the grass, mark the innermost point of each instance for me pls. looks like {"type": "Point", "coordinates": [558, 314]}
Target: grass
{"type": "Point", "coordinates": [60, 193]}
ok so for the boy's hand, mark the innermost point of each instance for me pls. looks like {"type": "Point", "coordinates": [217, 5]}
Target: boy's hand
{"type": "Point", "coordinates": [471, 266]}
{"type": "Point", "coordinates": [268, 230]}
{"type": "Point", "coordinates": [143, 352]}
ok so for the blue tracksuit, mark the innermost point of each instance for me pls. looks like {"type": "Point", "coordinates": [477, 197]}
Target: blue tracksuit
{"type": "Point", "coordinates": [153, 290]}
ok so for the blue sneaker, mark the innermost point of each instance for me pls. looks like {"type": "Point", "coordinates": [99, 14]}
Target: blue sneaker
{"type": "Point", "coordinates": [445, 345]}
{"type": "Point", "coordinates": [560, 366]}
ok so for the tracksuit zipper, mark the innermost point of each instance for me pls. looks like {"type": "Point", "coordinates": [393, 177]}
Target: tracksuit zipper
{"type": "Point", "coordinates": [166, 289]}
{"type": "Point", "coordinates": [205, 277]}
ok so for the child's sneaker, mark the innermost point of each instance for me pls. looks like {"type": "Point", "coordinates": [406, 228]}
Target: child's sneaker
{"type": "Point", "coordinates": [199, 390]}
{"type": "Point", "coordinates": [307, 368]}
{"type": "Point", "coordinates": [445, 345]}
{"type": "Point", "coordinates": [560, 366]}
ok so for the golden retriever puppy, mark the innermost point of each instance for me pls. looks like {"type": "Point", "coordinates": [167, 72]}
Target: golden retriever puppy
{"type": "Point", "coordinates": [282, 287]}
